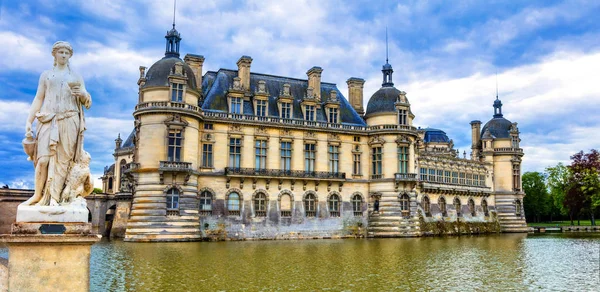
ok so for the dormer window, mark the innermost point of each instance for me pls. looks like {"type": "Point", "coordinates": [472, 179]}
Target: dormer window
{"type": "Point", "coordinates": [333, 115]}
{"type": "Point", "coordinates": [402, 117]}
{"type": "Point", "coordinates": [261, 108]}
{"type": "Point", "coordinates": [515, 142]}
{"type": "Point", "coordinates": [236, 105]}
{"type": "Point", "coordinates": [309, 112]}
{"type": "Point", "coordinates": [177, 92]}
{"type": "Point", "coordinates": [286, 110]}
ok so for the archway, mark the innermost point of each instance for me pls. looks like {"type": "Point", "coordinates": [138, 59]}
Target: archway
{"type": "Point", "coordinates": [108, 220]}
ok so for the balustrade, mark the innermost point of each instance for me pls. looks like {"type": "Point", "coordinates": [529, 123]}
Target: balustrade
{"type": "Point", "coordinates": [284, 173]}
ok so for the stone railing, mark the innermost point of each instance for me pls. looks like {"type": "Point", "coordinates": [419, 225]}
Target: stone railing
{"type": "Point", "coordinates": [284, 173]}
{"type": "Point", "coordinates": [175, 166]}
{"type": "Point", "coordinates": [405, 176]}
{"type": "Point", "coordinates": [508, 149]}
{"type": "Point", "coordinates": [167, 105]}
{"type": "Point", "coordinates": [131, 167]}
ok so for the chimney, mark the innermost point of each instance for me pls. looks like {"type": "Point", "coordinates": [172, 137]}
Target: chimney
{"type": "Point", "coordinates": [195, 62]}
{"type": "Point", "coordinates": [314, 80]}
{"type": "Point", "coordinates": [244, 71]}
{"type": "Point", "coordinates": [475, 135]}
{"type": "Point", "coordinates": [355, 94]}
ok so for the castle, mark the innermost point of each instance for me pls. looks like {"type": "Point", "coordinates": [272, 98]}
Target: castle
{"type": "Point", "coordinates": [245, 155]}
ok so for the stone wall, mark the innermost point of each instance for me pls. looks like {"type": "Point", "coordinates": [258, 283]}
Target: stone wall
{"type": "Point", "coordinates": [9, 200]}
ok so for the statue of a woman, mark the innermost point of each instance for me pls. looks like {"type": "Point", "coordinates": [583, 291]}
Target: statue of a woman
{"type": "Point", "coordinates": [58, 142]}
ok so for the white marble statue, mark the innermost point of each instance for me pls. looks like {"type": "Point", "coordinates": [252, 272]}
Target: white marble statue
{"type": "Point", "coordinates": [61, 165]}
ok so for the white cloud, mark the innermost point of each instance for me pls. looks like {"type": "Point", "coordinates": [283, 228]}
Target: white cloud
{"type": "Point", "coordinates": [13, 116]}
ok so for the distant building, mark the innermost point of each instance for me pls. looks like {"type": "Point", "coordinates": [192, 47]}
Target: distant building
{"type": "Point", "coordinates": [250, 155]}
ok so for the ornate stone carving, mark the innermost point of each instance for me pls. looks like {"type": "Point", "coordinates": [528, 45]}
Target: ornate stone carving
{"type": "Point", "coordinates": [376, 140]}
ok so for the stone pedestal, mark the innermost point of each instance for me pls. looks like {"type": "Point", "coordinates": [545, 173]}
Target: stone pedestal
{"type": "Point", "coordinates": [49, 256]}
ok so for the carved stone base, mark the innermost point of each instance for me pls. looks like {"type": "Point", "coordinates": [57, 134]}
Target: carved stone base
{"type": "Point", "coordinates": [75, 212]}
{"type": "Point", "coordinates": [51, 228]}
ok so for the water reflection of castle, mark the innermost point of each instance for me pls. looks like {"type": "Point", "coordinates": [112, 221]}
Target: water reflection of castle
{"type": "Point", "coordinates": [240, 154]}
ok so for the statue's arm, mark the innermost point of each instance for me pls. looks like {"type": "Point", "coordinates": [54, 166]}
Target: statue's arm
{"type": "Point", "coordinates": [37, 102]}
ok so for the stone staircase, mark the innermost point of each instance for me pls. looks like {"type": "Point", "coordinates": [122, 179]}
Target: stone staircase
{"type": "Point", "coordinates": [509, 221]}
{"type": "Point", "coordinates": [388, 222]}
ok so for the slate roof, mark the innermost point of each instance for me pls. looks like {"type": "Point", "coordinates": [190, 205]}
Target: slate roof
{"type": "Point", "coordinates": [129, 141]}
{"type": "Point", "coordinates": [435, 135]}
{"type": "Point", "coordinates": [159, 72]}
{"type": "Point", "coordinates": [499, 127]}
{"type": "Point", "coordinates": [216, 84]}
{"type": "Point", "coordinates": [383, 101]}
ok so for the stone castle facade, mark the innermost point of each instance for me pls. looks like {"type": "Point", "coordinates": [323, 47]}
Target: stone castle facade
{"type": "Point", "coordinates": [238, 154]}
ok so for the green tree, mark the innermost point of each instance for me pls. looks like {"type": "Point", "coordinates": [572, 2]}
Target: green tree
{"type": "Point", "coordinates": [558, 184]}
{"type": "Point", "coordinates": [585, 183]}
{"type": "Point", "coordinates": [537, 201]}
{"type": "Point", "coordinates": [97, 191]}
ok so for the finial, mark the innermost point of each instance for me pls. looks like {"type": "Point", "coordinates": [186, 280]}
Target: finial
{"type": "Point", "coordinates": [386, 45]}
{"type": "Point", "coordinates": [496, 83]}
{"type": "Point", "coordinates": [174, 7]}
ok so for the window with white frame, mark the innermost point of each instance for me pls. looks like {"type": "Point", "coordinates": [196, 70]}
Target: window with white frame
{"type": "Point", "coordinates": [207, 155]}
{"type": "Point", "coordinates": [440, 176]}
{"type": "Point", "coordinates": [177, 92]}
{"type": "Point", "coordinates": [334, 205]}
{"type": "Point", "coordinates": [310, 205]}
{"type": "Point", "coordinates": [309, 157]}
{"type": "Point", "coordinates": [442, 205]}
{"type": "Point", "coordinates": [205, 203]}
{"type": "Point", "coordinates": [356, 164]}
{"type": "Point", "coordinates": [235, 152]}
{"type": "Point", "coordinates": [455, 177]}
{"type": "Point", "coordinates": [260, 148]}
{"type": "Point", "coordinates": [261, 108]}
{"type": "Point", "coordinates": [402, 159]}
{"type": "Point", "coordinates": [309, 112]}
{"type": "Point", "coordinates": [423, 173]}
{"type": "Point", "coordinates": [446, 176]}
{"type": "Point", "coordinates": [461, 178]}
{"type": "Point", "coordinates": [516, 177]}
{"type": "Point", "coordinates": [357, 205]}
{"type": "Point", "coordinates": [377, 156]}
{"type": "Point", "coordinates": [286, 155]}
{"type": "Point", "coordinates": [405, 205]}
{"type": "Point", "coordinates": [334, 158]}
{"type": "Point", "coordinates": [236, 105]}
{"type": "Point", "coordinates": [260, 205]}
{"type": "Point", "coordinates": [173, 199]}
{"type": "Point", "coordinates": [431, 176]}
{"type": "Point", "coordinates": [174, 147]}
{"type": "Point", "coordinates": [402, 117]}
{"type": "Point", "coordinates": [233, 204]}
{"type": "Point", "coordinates": [286, 110]}
{"type": "Point", "coordinates": [333, 115]}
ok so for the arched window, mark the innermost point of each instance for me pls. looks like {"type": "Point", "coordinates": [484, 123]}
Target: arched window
{"type": "Point", "coordinates": [484, 206]}
{"type": "Point", "coordinates": [285, 205]}
{"type": "Point", "coordinates": [357, 205]}
{"type": "Point", "coordinates": [426, 206]}
{"type": "Point", "coordinates": [405, 205]}
{"type": "Point", "coordinates": [205, 203]}
{"type": "Point", "coordinates": [233, 204]}
{"type": "Point", "coordinates": [260, 205]}
{"type": "Point", "coordinates": [310, 205]}
{"type": "Point", "coordinates": [518, 208]}
{"type": "Point", "coordinates": [472, 207]}
{"type": "Point", "coordinates": [110, 183]}
{"type": "Point", "coordinates": [457, 207]}
{"type": "Point", "coordinates": [172, 201]}
{"type": "Point", "coordinates": [334, 205]}
{"type": "Point", "coordinates": [442, 204]}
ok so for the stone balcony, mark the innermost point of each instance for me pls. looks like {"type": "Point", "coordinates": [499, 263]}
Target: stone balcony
{"type": "Point", "coordinates": [175, 167]}
{"type": "Point", "coordinates": [436, 187]}
{"type": "Point", "coordinates": [131, 167]}
{"type": "Point", "coordinates": [405, 177]}
{"type": "Point", "coordinates": [280, 173]}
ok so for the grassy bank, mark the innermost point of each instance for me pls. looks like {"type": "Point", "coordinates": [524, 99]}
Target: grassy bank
{"type": "Point", "coordinates": [561, 223]}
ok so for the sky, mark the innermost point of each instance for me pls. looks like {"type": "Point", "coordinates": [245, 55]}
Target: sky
{"type": "Point", "coordinates": [447, 55]}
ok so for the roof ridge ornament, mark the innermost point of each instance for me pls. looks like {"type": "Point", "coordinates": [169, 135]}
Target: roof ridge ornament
{"type": "Point", "coordinates": [387, 68]}
{"type": "Point", "coordinates": [173, 38]}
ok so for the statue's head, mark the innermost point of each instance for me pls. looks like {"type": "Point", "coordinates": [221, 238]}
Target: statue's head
{"type": "Point", "coordinates": [61, 51]}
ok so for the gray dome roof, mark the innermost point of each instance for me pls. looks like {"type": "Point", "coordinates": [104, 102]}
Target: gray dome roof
{"type": "Point", "coordinates": [499, 127]}
{"type": "Point", "coordinates": [383, 101]}
{"type": "Point", "coordinates": [435, 135]}
{"type": "Point", "coordinates": [159, 72]}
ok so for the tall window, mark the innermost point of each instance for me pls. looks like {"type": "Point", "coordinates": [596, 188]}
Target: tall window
{"type": "Point", "coordinates": [457, 207]}
{"type": "Point", "coordinates": [334, 158]}
{"type": "Point", "coordinates": [440, 176]}
{"type": "Point", "coordinates": [261, 154]}
{"type": "Point", "coordinates": [309, 157]}
{"type": "Point", "coordinates": [333, 115]}
{"type": "Point", "coordinates": [405, 205]}
{"type": "Point", "coordinates": [235, 152]}
{"type": "Point", "coordinates": [236, 105]}
{"type": "Point", "coordinates": [484, 206]}
{"type": "Point", "coordinates": [357, 205]}
{"type": "Point", "coordinates": [403, 159]}
{"type": "Point", "coordinates": [423, 173]}
{"type": "Point", "coordinates": [205, 203]}
{"type": "Point", "coordinates": [309, 112]}
{"type": "Point", "coordinates": [442, 204]}
{"type": "Point", "coordinates": [432, 175]}
{"type": "Point", "coordinates": [515, 142]}
{"type": "Point", "coordinates": [310, 205]}
{"type": "Point", "coordinates": [516, 177]}
{"type": "Point", "coordinates": [469, 179]}
{"type": "Point", "coordinates": [286, 156]}
{"type": "Point", "coordinates": [207, 155]}
{"type": "Point", "coordinates": [261, 108]}
{"type": "Point", "coordinates": [172, 199]}
{"type": "Point", "coordinates": [476, 180]}
{"type": "Point", "coordinates": [518, 208]}
{"type": "Point", "coordinates": [286, 110]}
{"type": "Point", "coordinates": [426, 206]}
{"type": "Point", "coordinates": [377, 163]}
{"type": "Point", "coordinates": [356, 164]}
{"type": "Point", "coordinates": [334, 205]}
{"type": "Point", "coordinates": [461, 178]}
{"type": "Point", "coordinates": [402, 117]}
{"type": "Point", "coordinates": [482, 180]}
{"type": "Point", "coordinates": [174, 151]}
{"type": "Point", "coordinates": [260, 205]}
{"type": "Point", "coordinates": [472, 207]}
{"type": "Point", "coordinates": [177, 92]}
{"type": "Point", "coordinates": [233, 203]}
{"type": "Point", "coordinates": [446, 176]}
{"type": "Point", "coordinates": [286, 205]}
{"type": "Point", "coordinates": [455, 177]}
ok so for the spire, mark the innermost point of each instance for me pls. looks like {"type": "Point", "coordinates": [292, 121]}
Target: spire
{"type": "Point", "coordinates": [173, 38]}
{"type": "Point", "coordinates": [387, 68]}
{"type": "Point", "coordinates": [497, 102]}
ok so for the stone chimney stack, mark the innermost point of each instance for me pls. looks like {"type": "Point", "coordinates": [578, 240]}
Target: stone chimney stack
{"type": "Point", "coordinates": [475, 139]}
{"type": "Point", "coordinates": [195, 62]}
{"type": "Point", "coordinates": [355, 94]}
{"type": "Point", "coordinates": [244, 71]}
{"type": "Point", "coordinates": [314, 80]}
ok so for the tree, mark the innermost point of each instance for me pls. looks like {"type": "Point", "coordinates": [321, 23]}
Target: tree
{"type": "Point", "coordinates": [585, 185]}
{"type": "Point", "coordinates": [97, 191]}
{"type": "Point", "coordinates": [558, 183]}
{"type": "Point", "coordinates": [537, 201]}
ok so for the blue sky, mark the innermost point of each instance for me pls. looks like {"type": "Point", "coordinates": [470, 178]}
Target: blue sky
{"type": "Point", "coordinates": [445, 55]}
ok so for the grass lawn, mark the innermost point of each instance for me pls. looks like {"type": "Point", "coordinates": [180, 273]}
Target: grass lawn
{"type": "Point", "coordinates": [561, 223]}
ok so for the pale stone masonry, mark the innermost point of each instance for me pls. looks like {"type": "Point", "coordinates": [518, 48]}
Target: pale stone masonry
{"type": "Point", "coordinates": [235, 154]}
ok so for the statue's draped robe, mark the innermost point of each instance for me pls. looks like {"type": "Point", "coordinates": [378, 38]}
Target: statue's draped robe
{"type": "Point", "coordinates": [58, 133]}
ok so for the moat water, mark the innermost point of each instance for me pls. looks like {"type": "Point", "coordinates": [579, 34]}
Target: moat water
{"type": "Point", "coordinates": [557, 262]}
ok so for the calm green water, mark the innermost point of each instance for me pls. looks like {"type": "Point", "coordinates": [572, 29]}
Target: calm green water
{"type": "Point", "coordinates": [560, 262]}
{"type": "Point", "coordinates": [511, 262]}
